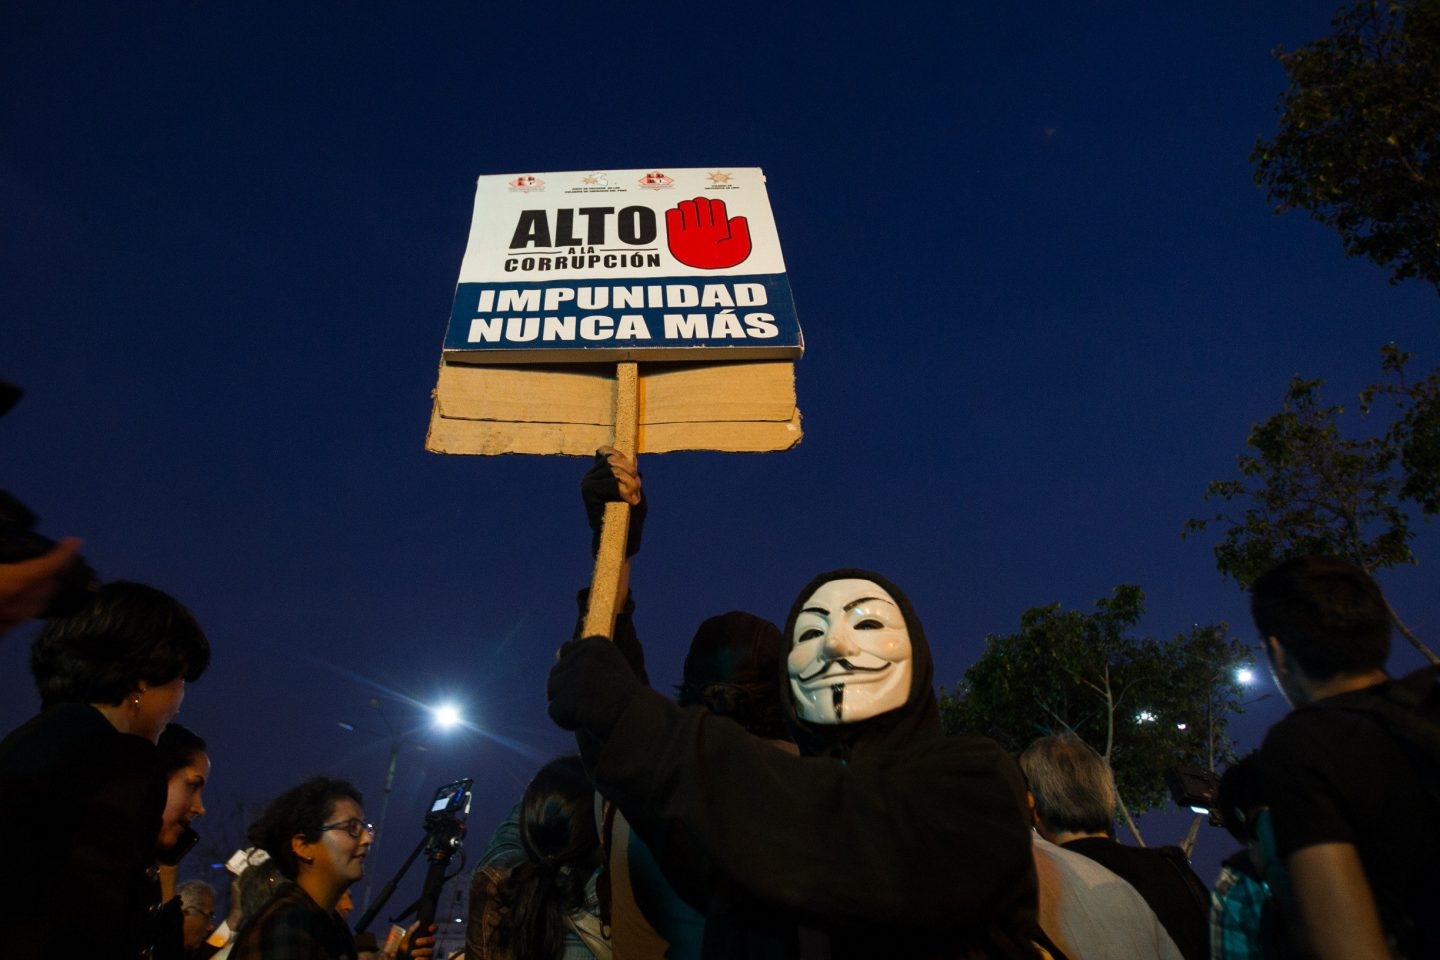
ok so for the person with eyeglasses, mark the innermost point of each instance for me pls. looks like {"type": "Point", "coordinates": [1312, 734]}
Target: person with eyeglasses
{"type": "Point", "coordinates": [197, 910]}
{"type": "Point", "coordinates": [317, 835]}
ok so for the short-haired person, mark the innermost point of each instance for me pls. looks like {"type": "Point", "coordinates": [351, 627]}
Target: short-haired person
{"type": "Point", "coordinates": [256, 884]}
{"type": "Point", "coordinates": [733, 669]}
{"type": "Point", "coordinates": [82, 792]}
{"type": "Point", "coordinates": [1357, 828]}
{"type": "Point", "coordinates": [317, 835]}
{"type": "Point", "coordinates": [197, 906]}
{"type": "Point", "coordinates": [1252, 894]}
{"type": "Point", "coordinates": [1074, 794]}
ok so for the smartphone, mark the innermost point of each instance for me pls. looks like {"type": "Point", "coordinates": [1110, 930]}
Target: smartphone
{"type": "Point", "coordinates": [184, 845]}
{"type": "Point", "coordinates": [453, 798]}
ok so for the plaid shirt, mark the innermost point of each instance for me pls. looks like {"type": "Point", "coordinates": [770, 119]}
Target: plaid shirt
{"type": "Point", "coordinates": [1235, 910]}
{"type": "Point", "coordinates": [293, 927]}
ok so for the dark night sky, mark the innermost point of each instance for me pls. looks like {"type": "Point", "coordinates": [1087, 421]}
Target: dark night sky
{"type": "Point", "coordinates": [1043, 303]}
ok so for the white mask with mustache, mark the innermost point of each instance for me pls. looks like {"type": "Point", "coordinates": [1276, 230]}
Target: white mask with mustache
{"type": "Point", "coordinates": [850, 654]}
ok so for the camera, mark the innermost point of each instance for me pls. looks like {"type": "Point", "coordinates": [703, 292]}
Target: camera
{"type": "Point", "coordinates": [19, 541]}
{"type": "Point", "coordinates": [453, 799]}
{"type": "Point", "coordinates": [1195, 788]}
{"type": "Point", "coordinates": [444, 835]}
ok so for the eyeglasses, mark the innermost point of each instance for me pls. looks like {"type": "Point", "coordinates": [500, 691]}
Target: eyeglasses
{"type": "Point", "coordinates": [197, 912]}
{"type": "Point", "coordinates": [354, 826]}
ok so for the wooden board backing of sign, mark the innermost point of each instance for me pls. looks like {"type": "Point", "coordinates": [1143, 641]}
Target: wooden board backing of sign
{"type": "Point", "coordinates": [494, 437]}
{"type": "Point", "coordinates": [669, 393]}
{"type": "Point", "coordinates": [603, 355]}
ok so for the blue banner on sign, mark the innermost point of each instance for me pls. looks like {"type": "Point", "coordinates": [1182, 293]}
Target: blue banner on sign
{"type": "Point", "coordinates": [662, 318]}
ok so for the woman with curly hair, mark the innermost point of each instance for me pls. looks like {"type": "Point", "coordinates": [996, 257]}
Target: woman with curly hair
{"type": "Point", "coordinates": [318, 837]}
{"type": "Point", "coordinates": [533, 895]}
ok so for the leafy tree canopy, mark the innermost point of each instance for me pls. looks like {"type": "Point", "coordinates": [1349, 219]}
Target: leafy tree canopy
{"type": "Point", "coordinates": [1309, 487]}
{"type": "Point", "coordinates": [1415, 433]}
{"type": "Point", "coordinates": [1144, 704]}
{"type": "Point", "coordinates": [1359, 141]}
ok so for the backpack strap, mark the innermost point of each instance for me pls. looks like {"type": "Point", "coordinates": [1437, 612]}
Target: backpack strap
{"type": "Point", "coordinates": [1415, 688]}
{"type": "Point", "coordinates": [1199, 895]}
{"type": "Point", "coordinates": [586, 926]}
{"type": "Point", "coordinates": [1409, 710]}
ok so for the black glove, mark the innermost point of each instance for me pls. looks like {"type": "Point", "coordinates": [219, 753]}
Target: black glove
{"type": "Point", "coordinates": [590, 686]}
{"type": "Point", "coordinates": [599, 487]}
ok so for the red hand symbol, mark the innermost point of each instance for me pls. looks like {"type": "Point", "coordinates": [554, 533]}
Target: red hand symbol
{"type": "Point", "coordinates": [701, 237]}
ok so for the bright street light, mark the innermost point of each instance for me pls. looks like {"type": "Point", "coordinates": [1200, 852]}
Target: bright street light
{"type": "Point", "coordinates": [1244, 676]}
{"type": "Point", "coordinates": [447, 715]}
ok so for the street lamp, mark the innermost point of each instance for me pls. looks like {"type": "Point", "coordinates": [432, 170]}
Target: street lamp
{"type": "Point", "coordinates": [447, 716]}
{"type": "Point", "coordinates": [444, 717]}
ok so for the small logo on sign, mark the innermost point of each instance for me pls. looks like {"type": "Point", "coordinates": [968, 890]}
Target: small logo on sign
{"type": "Point", "coordinates": [655, 180]}
{"type": "Point", "coordinates": [526, 184]}
{"type": "Point", "coordinates": [719, 177]}
{"type": "Point", "coordinates": [596, 180]}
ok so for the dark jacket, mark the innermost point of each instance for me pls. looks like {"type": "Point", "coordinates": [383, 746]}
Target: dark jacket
{"type": "Point", "coordinates": [886, 839]}
{"type": "Point", "coordinates": [80, 809]}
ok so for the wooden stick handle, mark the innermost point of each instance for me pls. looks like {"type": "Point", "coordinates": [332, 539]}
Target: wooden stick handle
{"type": "Point", "coordinates": [611, 579]}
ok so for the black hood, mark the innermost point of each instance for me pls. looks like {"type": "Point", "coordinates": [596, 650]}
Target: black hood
{"type": "Point", "coordinates": [918, 719]}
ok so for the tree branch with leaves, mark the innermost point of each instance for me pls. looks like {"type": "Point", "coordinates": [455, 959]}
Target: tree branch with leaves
{"type": "Point", "coordinates": [1359, 141]}
{"type": "Point", "coordinates": [1144, 704]}
{"type": "Point", "coordinates": [1308, 488]}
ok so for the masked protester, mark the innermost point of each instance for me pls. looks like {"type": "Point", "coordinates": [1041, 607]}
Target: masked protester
{"type": "Point", "coordinates": [884, 838]}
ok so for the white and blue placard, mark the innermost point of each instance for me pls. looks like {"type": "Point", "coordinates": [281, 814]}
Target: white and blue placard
{"type": "Point", "coordinates": [589, 266]}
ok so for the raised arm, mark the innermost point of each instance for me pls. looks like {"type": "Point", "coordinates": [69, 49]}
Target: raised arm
{"type": "Point", "coordinates": [928, 837]}
{"type": "Point", "coordinates": [615, 477]}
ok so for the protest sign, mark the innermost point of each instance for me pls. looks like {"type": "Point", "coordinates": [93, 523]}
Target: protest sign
{"type": "Point", "coordinates": [627, 265]}
{"type": "Point", "coordinates": [645, 308]}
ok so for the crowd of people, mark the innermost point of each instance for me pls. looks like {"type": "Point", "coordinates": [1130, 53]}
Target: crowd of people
{"type": "Point", "coordinates": [104, 763]}
{"type": "Point", "coordinates": [855, 828]}
{"type": "Point", "coordinates": [797, 799]}
{"type": "Point", "coordinates": [99, 790]}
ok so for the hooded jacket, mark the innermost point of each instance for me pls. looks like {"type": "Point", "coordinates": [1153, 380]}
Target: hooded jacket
{"type": "Point", "coordinates": [885, 838]}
